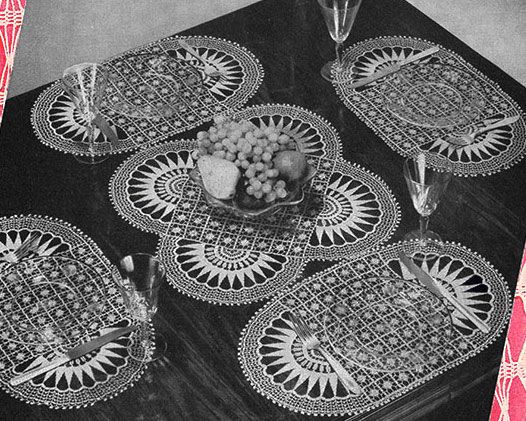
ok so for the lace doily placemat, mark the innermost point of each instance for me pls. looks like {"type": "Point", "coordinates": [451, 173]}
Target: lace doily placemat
{"type": "Point", "coordinates": [280, 367]}
{"type": "Point", "coordinates": [221, 258]}
{"type": "Point", "coordinates": [58, 125]}
{"type": "Point", "coordinates": [418, 108]}
{"type": "Point", "coordinates": [57, 296]}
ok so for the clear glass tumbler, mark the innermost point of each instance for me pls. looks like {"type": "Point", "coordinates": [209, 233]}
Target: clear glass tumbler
{"type": "Point", "coordinates": [86, 85]}
{"type": "Point", "coordinates": [339, 16]}
{"type": "Point", "coordinates": [141, 277]}
{"type": "Point", "coordinates": [426, 186]}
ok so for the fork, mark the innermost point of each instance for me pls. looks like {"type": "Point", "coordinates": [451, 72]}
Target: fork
{"type": "Point", "coordinates": [464, 139]}
{"type": "Point", "coordinates": [313, 343]}
{"type": "Point", "coordinates": [15, 256]}
{"type": "Point", "coordinates": [27, 246]}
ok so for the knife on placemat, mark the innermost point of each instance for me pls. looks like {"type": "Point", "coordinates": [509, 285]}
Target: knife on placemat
{"type": "Point", "coordinates": [72, 354]}
{"type": "Point", "coordinates": [393, 68]}
{"type": "Point", "coordinates": [439, 291]}
{"type": "Point", "coordinates": [106, 129]}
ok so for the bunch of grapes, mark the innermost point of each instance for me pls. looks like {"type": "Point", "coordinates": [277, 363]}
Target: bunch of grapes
{"type": "Point", "coordinates": [252, 150]}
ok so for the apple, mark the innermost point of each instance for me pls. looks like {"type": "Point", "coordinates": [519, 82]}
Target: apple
{"type": "Point", "coordinates": [292, 165]}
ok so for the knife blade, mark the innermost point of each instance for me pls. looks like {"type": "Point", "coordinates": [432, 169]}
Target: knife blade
{"type": "Point", "coordinates": [422, 276]}
{"type": "Point", "coordinates": [106, 129]}
{"type": "Point", "coordinates": [394, 68]}
{"type": "Point", "coordinates": [72, 354]}
{"type": "Point", "coordinates": [440, 291]}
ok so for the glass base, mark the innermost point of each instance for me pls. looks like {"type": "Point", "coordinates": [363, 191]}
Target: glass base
{"type": "Point", "coordinates": [91, 159]}
{"type": "Point", "coordinates": [160, 347]}
{"type": "Point", "coordinates": [425, 247]}
{"type": "Point", "coordinates": [326, 71]}
{"type": "Point", "coordinates": [140, 349]}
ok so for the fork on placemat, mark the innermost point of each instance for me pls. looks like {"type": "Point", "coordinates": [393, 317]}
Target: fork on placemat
{"type": "Point", "coordinates": [27, 246]}
{"type": "Point", "coordinates": [312, 342]}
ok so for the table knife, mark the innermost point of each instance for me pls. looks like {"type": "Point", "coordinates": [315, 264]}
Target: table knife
{"type": "Point", "coordinates": [106, 129]}
{"type": "Point", "coordinates": [439, 291]}
{"type": "Point", "coordinates": [72, 354]}
{"type": "Point", "coordinates": [209, 70]}
{"type": "Point", "coordinates": [393, 68]}
{"type": "Point", "coordinates": [185, 46]}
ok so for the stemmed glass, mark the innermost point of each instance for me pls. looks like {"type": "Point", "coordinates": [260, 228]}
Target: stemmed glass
{"type": "Point", "coordinates": [141, 276]}
{"type": "Point", "coordinates": [339, 16]}
{"type": "Point", "coordinates": [85, 84]}
{"type": "Point", "coordinates": [426, 187]}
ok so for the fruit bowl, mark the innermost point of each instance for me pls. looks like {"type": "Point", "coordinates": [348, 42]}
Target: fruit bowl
{"type": "Point", "coordinates": [248, 170]}
{"type": "Point", "coordinates": [295, 196]}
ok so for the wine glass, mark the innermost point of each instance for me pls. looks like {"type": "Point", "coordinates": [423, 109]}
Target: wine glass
{"type": "Point", "coordinates": [141, 276]}
{"type": "Point", "coordinates": [85, 84]}
{"type": "Point", "coordinates": [426, 187]}
{"type": "Point", "coordinates": [339, 16]}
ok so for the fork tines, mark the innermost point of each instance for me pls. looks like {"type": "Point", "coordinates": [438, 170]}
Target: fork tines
{"type": "Point", "coordinates": [300, 326]}
{"type": "Point", "coordinates": [27, 246]}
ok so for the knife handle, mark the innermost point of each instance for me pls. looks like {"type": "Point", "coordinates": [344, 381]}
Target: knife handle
{"type": "Point", "coordinates": [189, 49]}
{"type": "Point", "coordinates": [341, 372]}
{"type": "Point", "coordinates": [500, 123]}
{"type": "Point", "coordinates": [465, 311]}
{"type": "Point", "coordinates": [24, 377]}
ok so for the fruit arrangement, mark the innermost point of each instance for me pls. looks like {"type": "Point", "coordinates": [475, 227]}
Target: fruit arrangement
{"type": "Point", "coordinates": [254, 167]}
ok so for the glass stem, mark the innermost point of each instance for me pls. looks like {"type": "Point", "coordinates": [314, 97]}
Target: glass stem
{"type": "Point", "coordinates": [91, 138]}
{"type": "Point", "coordinates": [338, 55]}
{"type": "Point", "coordinates": [424, 221]}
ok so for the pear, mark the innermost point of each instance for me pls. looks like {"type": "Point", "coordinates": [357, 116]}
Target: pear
{"type": "Point", "coordinates": [219, 176]}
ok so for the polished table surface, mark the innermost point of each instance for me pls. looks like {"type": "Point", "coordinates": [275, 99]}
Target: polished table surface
{"type": "Point", "coordinates": [200, 378]}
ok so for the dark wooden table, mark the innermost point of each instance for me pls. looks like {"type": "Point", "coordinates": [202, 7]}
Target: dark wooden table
{"type": "Point", "coordinates": [201, 379]}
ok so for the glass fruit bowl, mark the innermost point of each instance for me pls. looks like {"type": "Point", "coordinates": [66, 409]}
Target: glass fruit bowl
{"type": "Point", "coordinates": [295, 196]}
